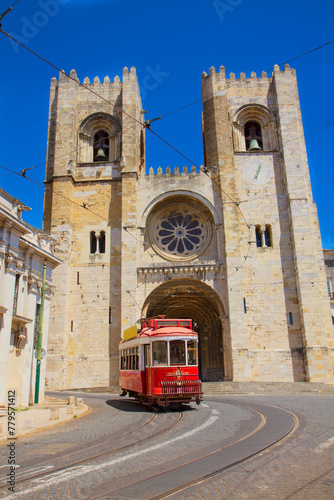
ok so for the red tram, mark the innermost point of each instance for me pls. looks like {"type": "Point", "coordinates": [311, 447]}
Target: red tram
{"type": "Point", "coordinates": [159, 365]}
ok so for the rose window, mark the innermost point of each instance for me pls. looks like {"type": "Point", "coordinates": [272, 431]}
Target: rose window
{"type": "Point", "coordinates": [180, 231]}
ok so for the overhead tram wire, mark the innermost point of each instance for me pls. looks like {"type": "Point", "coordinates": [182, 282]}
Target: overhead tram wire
{"type": "Point", "coordinates": [122, 111]}
{"type": "Point", "coordinates": [84, 206]}
{"type": "Point", "coordinates": [237, 82]}
{"type": "Point", "coordinates": [10, 8]}
{"type": "Point", "coordinates": [24, 170]}
{"type": "Point", "coordinates": [104, 218]}
{"type": "Point", "coordinates": [157, 135]}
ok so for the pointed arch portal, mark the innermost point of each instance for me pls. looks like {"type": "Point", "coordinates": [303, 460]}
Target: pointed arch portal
{"type": "Point", "coordinates": [199, 302]}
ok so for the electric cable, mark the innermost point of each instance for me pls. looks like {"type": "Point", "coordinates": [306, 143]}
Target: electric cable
{"type": "Point", "coordinates": [84, 206]}
{"type": "Point", "coordinates": [143, 124]}
{"type": "Point", "coordinates": [140, 122]}
{"type": "Point", "coordinates": [238, 81]}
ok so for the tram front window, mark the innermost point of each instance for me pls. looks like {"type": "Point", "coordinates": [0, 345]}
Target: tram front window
{"type": "Point", "coordinates": [192, 352]}
{"type": "Point", "coordinates": [160, 353]}
{"type": "Point", "coordinates": [177, 352]}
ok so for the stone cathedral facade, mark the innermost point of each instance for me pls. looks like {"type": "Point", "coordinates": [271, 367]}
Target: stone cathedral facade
{"type": "Point", "coordinates": [235, 246]}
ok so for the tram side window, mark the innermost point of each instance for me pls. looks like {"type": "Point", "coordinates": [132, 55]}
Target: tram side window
{"type": "Point", "coordinates": [192, 352]}
{"type": "Point", "coordinates": [177, 352]}
{"type": "Point", "coordinates": [160, 353]}
{"type": "Point", "coordinates": [130, 358]}
{"type": "Point", "coordinates": [123, 359]}
{"type": "Point", "coordinates": [147, 355]}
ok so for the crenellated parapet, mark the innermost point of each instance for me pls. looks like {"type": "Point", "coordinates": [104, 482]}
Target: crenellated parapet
{"type": "Point", "coordinates": [175, 173]}
{"type": "Point", "coordinates": [72, 77]}
{"type": "Point", "coordinates": [220, 77]}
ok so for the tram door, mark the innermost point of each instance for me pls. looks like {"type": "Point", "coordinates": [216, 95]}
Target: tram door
{"type": "Point", "coordinates": [148, 371]}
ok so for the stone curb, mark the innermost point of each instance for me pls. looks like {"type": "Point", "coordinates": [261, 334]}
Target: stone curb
{"type": "Point", "coordinates": [42, 417]}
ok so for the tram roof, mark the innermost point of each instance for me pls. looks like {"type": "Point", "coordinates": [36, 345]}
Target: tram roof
{"type": "Point", "coordinates": [166, 330]}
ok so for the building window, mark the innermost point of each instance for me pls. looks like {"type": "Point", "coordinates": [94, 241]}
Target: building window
{"type": "Point", "coordinates": [254, 129]}
{"type": "Point", "coordinates": [99, 139]}
{"type": "Point", "coordinates": [97, 243]}
{"type": "Point", "coordinates": [258, 235]}
{"type": "Point", "coordinates": [101, 146]}
{"type": "Point", "coordinates": [329, 288]}
{"type": "Point", "coordinates": [93, 242]}
{"type": "Point", "coordinates": [16, 293]}
{"type": "Point", "coordinates": [267, 236]}
{"type": "Point", "coordinates": [263, 236]}
{"type": "Point", "coordinates": [102, 242]}
{"type": "Point", "coordinates": [253, 136]}
{"type": "Point", "coordinates": [180, 231]}
{"type": "Point", "coordinates": [290, 319]}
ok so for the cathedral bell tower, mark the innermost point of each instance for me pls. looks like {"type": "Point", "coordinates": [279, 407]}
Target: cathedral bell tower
{"type": "Point", "coordinates": [275, 284]}
{"type": "Point", "coordinates": [96, 148]}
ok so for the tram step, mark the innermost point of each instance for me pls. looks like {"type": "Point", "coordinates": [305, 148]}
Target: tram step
{"type": "Point", "coordinates": [218, 388]}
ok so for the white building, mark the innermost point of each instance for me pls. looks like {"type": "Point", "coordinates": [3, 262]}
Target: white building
{"type": "Point", "coordinates": [23, 251]}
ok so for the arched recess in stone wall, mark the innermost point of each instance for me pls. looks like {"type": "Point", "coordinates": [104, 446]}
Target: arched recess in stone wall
{"type": "Point", "coordinates": [187, 298]}
{"type": "Point", "coordinates": [87, 130]}
{"type": "Point", "coordinates": [261, 115]}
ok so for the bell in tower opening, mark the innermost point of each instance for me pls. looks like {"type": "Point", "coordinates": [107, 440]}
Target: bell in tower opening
{"type": "Point", "coordinates": [101, 146]}
{"type": "Point", "coordinates": [253, 136]}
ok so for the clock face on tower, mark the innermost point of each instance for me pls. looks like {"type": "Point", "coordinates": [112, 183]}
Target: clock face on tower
{"type": "Point", "coordinates": [258, 171]}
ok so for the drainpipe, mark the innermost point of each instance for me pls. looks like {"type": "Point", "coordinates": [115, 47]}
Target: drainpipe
{"type": "Point", "coordinates": [40, 334]}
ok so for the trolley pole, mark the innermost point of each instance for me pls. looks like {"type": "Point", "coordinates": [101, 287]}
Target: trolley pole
{"type": "Point", "coordinates": [40, 334]}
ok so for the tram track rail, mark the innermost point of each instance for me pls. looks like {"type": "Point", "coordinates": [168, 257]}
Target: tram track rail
{"type": "Point", "coordinates": [170, 493]}
{"type": "Point", "coordinates": [31, 477]}
{"type": "Point", "coordinates": [265, 449]}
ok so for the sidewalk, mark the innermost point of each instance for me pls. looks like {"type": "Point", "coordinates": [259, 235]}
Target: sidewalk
{"type": "Point", "coordinates": [51, 412]}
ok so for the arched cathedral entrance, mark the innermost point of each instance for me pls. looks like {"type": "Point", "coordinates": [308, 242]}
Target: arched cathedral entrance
{"type": "Point", "coordinates": [197, 301]}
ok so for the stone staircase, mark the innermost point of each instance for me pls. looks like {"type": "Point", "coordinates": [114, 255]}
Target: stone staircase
{"type": "Point", "coordinates": [264, 388]}
{"type": "Point", "coordinates": [50, 402]}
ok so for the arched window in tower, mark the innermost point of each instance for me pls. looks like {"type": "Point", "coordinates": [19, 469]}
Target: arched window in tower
{"type": "Point", "coordinates": [101, 146]}
{"type": "Point", "coordinates": [253, 136]}
{"type": "Point", "coordinates": [93, 242]}
{"type": "Point", "coordinates": [102, 242]}
{"type": "Point", "coordinates": [142, 148]}
{"type": "Point", "coordinates": [268, 236]}
{"type": "Point", "coordinates": [263, 236]}
{"type": "Point", "coordinates": [258, 235]}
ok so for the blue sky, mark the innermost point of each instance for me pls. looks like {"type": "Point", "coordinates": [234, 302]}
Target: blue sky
{"type": "Point", "coordinates": [170, 43]}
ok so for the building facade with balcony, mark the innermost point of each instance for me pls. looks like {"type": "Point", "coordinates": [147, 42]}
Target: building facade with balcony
{"type": "Point", "coordinates": [23, 251]}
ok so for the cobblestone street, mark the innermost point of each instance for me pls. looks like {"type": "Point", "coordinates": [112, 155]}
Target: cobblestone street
{"type": "Point", "coordinates": [122, 450]}
{"type": "Point", "coordinates": [300, 469]}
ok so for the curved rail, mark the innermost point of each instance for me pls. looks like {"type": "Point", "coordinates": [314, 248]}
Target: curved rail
{"type": "Point", "coordinates": [99, 455]}
{"type": "Point", "coordinates": [266, 412]}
